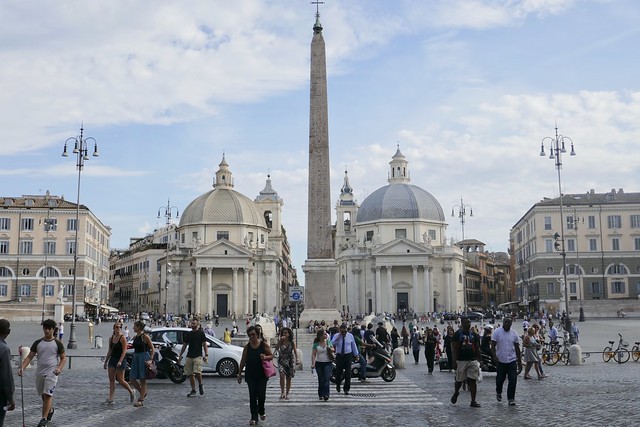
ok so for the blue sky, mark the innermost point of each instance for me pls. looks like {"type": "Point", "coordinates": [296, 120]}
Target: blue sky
{"type": "Point", "coordinates": [468, 88]}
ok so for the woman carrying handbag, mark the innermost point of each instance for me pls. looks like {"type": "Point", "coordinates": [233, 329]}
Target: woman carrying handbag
{"type": "Point", "coordinates": [255, 352]}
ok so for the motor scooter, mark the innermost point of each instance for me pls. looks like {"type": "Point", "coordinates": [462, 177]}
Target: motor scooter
{"type": "Point", "coordinates": [380, 366]}
{"type": "Point", "coordinates": [166, 360]}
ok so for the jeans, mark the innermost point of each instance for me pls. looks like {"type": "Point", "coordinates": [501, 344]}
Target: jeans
{"type": "Point", "coordinates": [257, 395]}
{"type": "Point", "coordinates": [430, 355]}
{"type": "Point", "coordinates": [510, 371]}
{"type": "Point", "coordinates": [363, 367]}
{"type": "Point", "coordinates": [343, 370]}
{"type": "Point", "coordinates": [323, 369]}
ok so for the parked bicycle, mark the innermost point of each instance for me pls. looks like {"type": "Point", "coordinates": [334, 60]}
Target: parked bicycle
{"type": "Point", "coordinates": [635, 351]}
{"type": "Point", "coordinates": [621, 354]}
{"type": "Point", "coordinates": [551, 353]}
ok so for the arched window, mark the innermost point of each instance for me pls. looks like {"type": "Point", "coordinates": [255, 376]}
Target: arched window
{"type": "Point", "coordinates": [617, 269]}
{"type": "Point", "coordinates": [5, 272]}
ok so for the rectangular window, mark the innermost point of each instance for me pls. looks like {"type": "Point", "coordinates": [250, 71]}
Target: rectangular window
{"type": "Point", "coordinates": [593, 244]}
{"type": "Point", "coordinates": [636, 243]}
{"type": "Point", "coordinates": [53, 224]}
{"type": "Point", "coordinates": [547, 223]}
{"type": "Point", "coordinates": [432, 234]}
{"type": "Point", "coordinates": [369, 236]}
{"type": "Point", "coordinates": [182, 238]}
{"type": "Point", "coordinates": [72, 225]}
{"type": "Point", "coordinates": [26, 247]}
{"type": "Point", "coordinates": [572, 269]}
{"type": "Point", "coordinates": [401, 233]}
{"type": "Point", "coordinates": [50, 248]}
{"type": "Point", "coordinates": [551, 288]}
{"type": "Point", "coordinates": [615, 244]}
{"type": "Point", "coordinates": [573, 287]}
{"type": "Point", "coordinates": [595, 288]}
{"type": "Point", "coordinates": [591, 220]}
{"type": "Point", "coordinates": [222, 235]}
{"type": "Point", "coordinates": [5, 223]}
{"type": "Point", "coordinates": [571, 245]}
{"type": "Point", "coordinates": [194, 236]}
{"type": "Point", "coordinates": [27, 224]}
{"type": "Point", "coordinates": [25, 290]}
{"type": "Point", "coordinates": [617, 287]}
{"type": "Point", "coordinates": [570, 224]}
{"type": "Point", "coordinates": [614, 221]}
{"type": "Point", "coordinates": [4, 246]}
{"type": "Point", "coordinates": [635, 221]}
{"type": "Point", "coordinates": [3, 290]}
{"type": "Point", "coordinates": [48, 290]}
{"type": "Point", "coordinates": [67, 290]}
{"type": "Point", "coordinates": [71, 248]}
{"type": "Point", "coordinates": [548, 245]}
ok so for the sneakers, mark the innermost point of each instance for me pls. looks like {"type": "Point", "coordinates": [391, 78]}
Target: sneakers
{"type": "Point", "coordinates": [50, 414]}
{"type": "Point", "coordinates": [499, 397]}
{"type": "Point", "coordinates": [192, 393]}
{"type": "Point", "coordinates": [133, 396]}
{"type": "Point", "coordinates": [338, 387]}
{"type": "Point", "coordinates": [512, 402]}
{"type": "Point", "coordinates": [201, 387]}
{"type": "Point", "coordinates": [43, 422]}
{"type": "Point", "coordinates": [454, 398]}
{"type": "Point", "coordinates": [108, 402]}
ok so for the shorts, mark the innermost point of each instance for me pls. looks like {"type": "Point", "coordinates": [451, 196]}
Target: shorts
{"type": "Point", "coordinates": [113, 363]}
{"type": "Point", "coordinates": [193, 365]}
{"type": "Point", "coordinates": [467, 369]}
{"type": "Point", "coordinates": [46, 384]}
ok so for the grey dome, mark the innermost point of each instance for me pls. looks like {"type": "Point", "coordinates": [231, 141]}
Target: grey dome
{"type": "Point", "coordinates": [222, 206]}
{"type": "Point", "coordinates": [400, 201]}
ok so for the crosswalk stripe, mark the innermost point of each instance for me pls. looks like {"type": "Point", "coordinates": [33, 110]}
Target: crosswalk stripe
{"type": "Point", "coordinates": [304, 392]}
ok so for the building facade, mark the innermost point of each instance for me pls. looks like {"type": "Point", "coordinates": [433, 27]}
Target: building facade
{"type": "Point", "coordinates": [392, 251]}
{"type": "Point", "coordinates": [601, 243]}
{"type": "Point", "coordinates": [37, 245]}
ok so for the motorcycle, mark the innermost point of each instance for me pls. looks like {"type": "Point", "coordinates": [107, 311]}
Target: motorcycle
{"type": "Point", "coordinates": [488, 365]}
{"type": "Point", "coordinates": [168, 366]}
{"type": "Point", "coordinates": [380, 366]}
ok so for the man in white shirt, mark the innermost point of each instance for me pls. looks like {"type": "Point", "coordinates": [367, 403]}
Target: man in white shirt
{"type": "Point", "coordinates": [505, 349]}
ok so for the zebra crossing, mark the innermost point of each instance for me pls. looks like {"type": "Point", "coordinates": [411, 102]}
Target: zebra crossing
{"type": "Point", "coordinates": [304, 392]}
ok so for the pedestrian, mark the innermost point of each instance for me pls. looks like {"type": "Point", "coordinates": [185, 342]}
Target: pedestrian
{"type": "Point", "coordinates": [322, 357]}
{"type": "Point", "coordinates": [227, 336]}
{"type": "Point", "coordinates": [405, 339]}
{"type": "Point", "coordinates": [197, 343]}
{"type": "Point", "coordinates": [126, 332]}
{"type": "Point", "coordinates": [505, 349]}
{"type": "Point", "coordinates": [357, 333]}
{"type": "Point", "coordinates": [7, 387]}
{"type": "Point", "coordinates": [51, 359]}
{"type": "Point", "coordinates": [346, 351]}
{"type": "Point", "coordinates": [286, 349]}
{"type": "Point", "coordinates": [430, 343]}
{"type": "Point", "coordinates": [448, 339]}
{"type": "Point", "coordinates": [394, 338]}
{"type": "Point", "coordinates": [465, 349]}
{"type": "Point", "coordinates": [415, 344]}
{"type": "Point", "coordinates": [254, 353]}
{"type": "Point", "coordinates": [143, 352]}
{"type": "Point", "coordinates": [575, 330]}
{"type": "Point", "coordinates": [209, 330]}
{"type": "Point", "coordinates": [115, 364]}
{"type": "Point", "coordinates": [531, 356]}
{"type": "Point", "coordinates": [61, 331]}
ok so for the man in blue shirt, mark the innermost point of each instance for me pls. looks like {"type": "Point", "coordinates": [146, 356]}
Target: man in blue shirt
{"type": "Point", "coordinates": [346, 350]}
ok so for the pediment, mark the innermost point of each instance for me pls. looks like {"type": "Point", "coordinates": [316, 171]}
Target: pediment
{"type": "Point", "coordinates": [221, 248]}
{"type": "Point", "coordinates": [401, 246]}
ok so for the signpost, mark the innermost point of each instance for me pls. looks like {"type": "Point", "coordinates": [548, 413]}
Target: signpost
{"type": "Point", "coordinates": [296, 294]}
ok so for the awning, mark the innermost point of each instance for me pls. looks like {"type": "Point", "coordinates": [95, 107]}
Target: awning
{"type": "Point", "coordinates": [504, 304]}
{"type": "Point", "coordinates": [109, 308]}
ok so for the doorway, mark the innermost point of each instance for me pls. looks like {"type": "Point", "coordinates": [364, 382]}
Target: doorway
{"type": "Point", "coordinates": [222, 304]}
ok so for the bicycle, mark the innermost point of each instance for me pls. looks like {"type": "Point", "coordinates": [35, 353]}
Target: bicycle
{"type": "Point", "coordinates": [635, 351]}
{"type": "Point", "coordinates": [551, 353]}
{"type": "Point", "coordinates": [621, 353]}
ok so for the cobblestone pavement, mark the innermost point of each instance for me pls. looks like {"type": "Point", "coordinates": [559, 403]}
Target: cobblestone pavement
{"type": "Point", "coordinates": [597, 393]}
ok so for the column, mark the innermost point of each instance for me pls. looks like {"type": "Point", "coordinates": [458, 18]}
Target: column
{"type": "Point", "coordinates": [452, 289]}
{"type": "Point", "coordinates": [389, 304]}
{"type": "Point", "coordinates": [414, 284]}
{"type": "Point", "coordinates": [209, 290]}
{"type": "Point", "coordinates": [247, 296]}
{"type": "Point", "coordinates": [196, 298]}
{"type": "Point", "coordinates": [378, 292]}
{"type": "Point", "coordinates": [234, 290]}
{"type": "Point", "coordinates": [428, 293]}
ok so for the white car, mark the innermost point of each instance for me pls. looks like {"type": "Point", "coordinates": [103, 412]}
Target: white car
{"type": "Point", "coordinates": [223, 358]}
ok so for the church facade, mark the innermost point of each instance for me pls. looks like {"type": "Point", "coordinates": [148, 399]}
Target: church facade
{"type": "Point", "coordinates": [392, 251]}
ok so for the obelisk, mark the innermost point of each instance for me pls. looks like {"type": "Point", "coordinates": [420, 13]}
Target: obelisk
{"type": "Point", "coordinates": [320, 267]}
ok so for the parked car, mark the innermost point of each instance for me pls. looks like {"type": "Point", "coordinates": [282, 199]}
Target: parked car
{"type": "Point", "coordinates": [223, 359]}
{"type": "Point", "coordinates": [145, 316]}
{"type": "Point", "coordinates": [450, 316]}
{"type": "Point", "coordinates": [474, 316]}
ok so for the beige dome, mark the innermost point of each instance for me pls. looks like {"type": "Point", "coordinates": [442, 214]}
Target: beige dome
{"type": "Point", "coordinates": [222, 205]}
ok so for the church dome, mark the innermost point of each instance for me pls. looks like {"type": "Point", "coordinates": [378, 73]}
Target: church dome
{"type": "Point", "coordinates": [222, 205]}
{"type": "Point", "coordinates": [400, 201]}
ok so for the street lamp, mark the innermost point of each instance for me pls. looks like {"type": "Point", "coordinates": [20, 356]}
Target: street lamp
{"type": "Point", "coordinates": [168, 214]}
{"type": "Point", "coordinates": [462, 213]}
{"type": "Point", "coordinates": [48, 222]}
{"type": "Point", "coordinates": [556, 149]}
{"type": "Point", "coordinates": [81, 152]}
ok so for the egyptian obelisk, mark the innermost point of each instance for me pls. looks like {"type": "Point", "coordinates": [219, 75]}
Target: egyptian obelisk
{"type": "Point", "coordinates": [320, 268]}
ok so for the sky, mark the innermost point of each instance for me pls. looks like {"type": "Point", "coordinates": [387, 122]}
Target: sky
{"type": "Point", "coordinates": [466, 88]}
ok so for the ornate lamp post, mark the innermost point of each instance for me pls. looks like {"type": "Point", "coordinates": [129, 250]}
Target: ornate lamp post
{"type": "Point", "coordinates": [462, 213]}
{"type": "Point", "coordinates": [168, 214]}
{"type": "Point", "coordinates": [80, 144]}
{"type": "Point", "coordinates": [556, 149]}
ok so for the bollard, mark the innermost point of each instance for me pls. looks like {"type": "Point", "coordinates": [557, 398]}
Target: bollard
{"type": "Point", "coordinates": [299, 359]}
{"type": "Point", "coordinates": [98, 342]}
{"type": "Point", "coordinates": [90, 332]}
{"type": "Point", "coordinates": [23, 351]}
{"type": "Point", "coordinates": [398, 358]}
{"type": "Point", "coordinates": [575, 355]}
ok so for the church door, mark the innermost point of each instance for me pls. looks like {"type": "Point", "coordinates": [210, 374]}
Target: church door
{"type": "Point", "coordinates": [222, 304]}
{"type": "Point", "coordinates": [402, 301]}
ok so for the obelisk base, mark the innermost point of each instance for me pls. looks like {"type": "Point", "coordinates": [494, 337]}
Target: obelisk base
{"type": "Point", "coordinates": [320, 297]}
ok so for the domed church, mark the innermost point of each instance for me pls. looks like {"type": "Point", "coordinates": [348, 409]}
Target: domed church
{"type": "Point", "coordinates": [392, 251]}
{"type": "Point", "coordinates": [234, 256]}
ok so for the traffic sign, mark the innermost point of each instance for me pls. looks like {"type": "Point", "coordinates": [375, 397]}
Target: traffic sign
{"type": "Point", "coordinates": [296, 293]}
